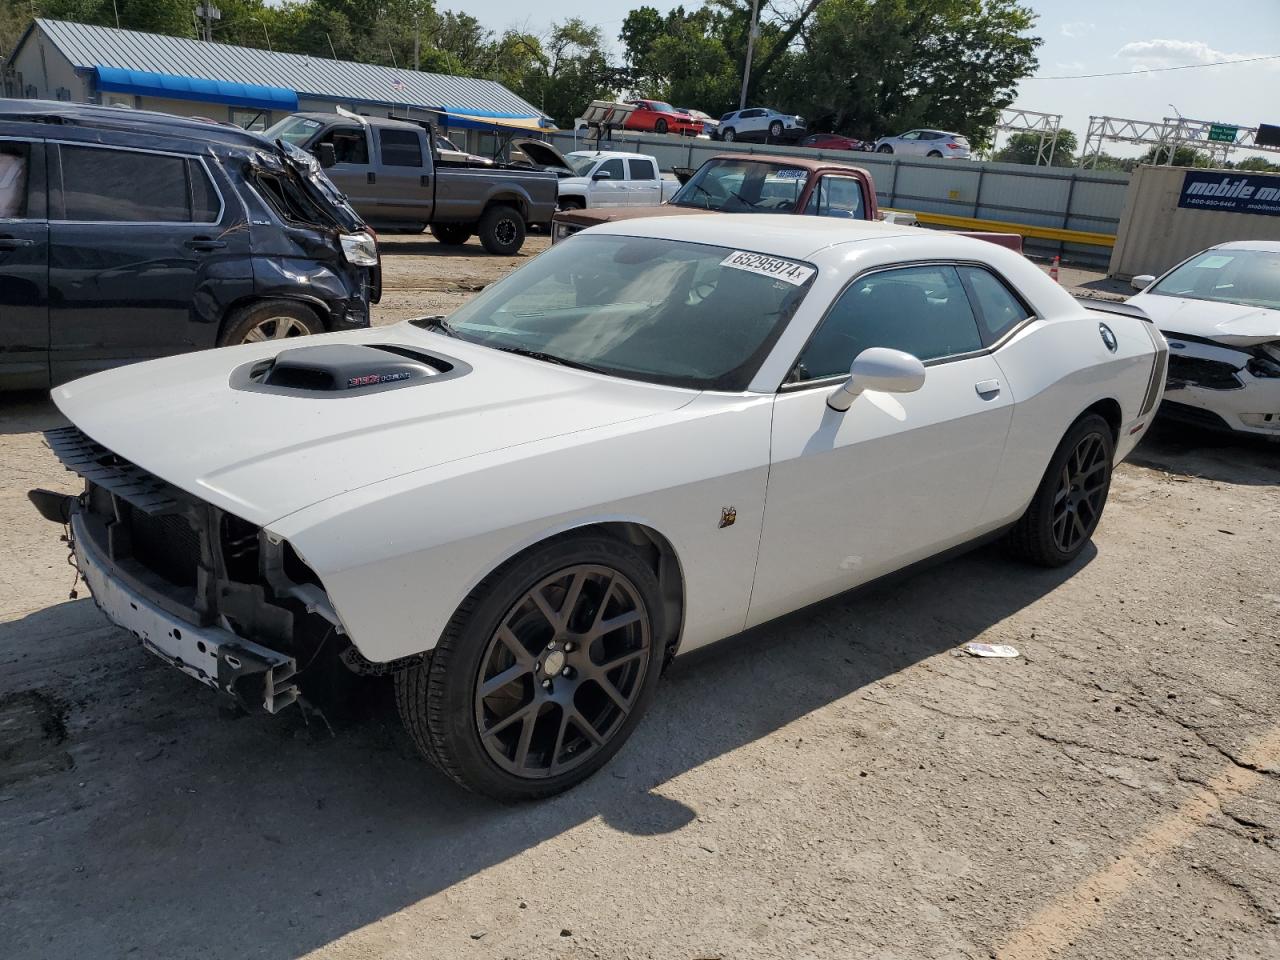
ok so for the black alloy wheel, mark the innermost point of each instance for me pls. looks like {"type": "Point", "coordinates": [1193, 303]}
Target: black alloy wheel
{"type": "Point", "coordinates": [563, 671]}
{"type": "Point", "coordinates": [1081, 493]}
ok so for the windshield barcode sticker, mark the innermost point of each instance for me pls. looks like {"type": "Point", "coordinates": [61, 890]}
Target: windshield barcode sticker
{"type": "Point", "coordinates": [786, 270]}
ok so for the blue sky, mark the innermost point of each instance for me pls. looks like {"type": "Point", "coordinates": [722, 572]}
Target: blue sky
{"type": "Point", "coordinates": [1080, 36]}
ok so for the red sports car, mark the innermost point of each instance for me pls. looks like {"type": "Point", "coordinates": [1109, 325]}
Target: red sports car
{"type": "Point", "coordinates": [659, 117]}
{"type": "Point", "coordinates": [832, 141]}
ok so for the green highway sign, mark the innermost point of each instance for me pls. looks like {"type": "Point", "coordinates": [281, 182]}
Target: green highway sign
{"type": "Point", "coordinates": [1222, 133]}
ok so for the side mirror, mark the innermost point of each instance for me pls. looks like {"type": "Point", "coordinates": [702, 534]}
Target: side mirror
{"type": "Point", "coordinates": [1142, 281]}
{"type": "Point", "coordinates": [882, 369]}
{"type": "Point", "coordinates": [327, 156]}
{"type": "Point", "coordinates": [602, 175]}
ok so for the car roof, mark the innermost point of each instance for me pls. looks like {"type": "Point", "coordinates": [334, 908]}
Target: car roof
{"type": "Point", "coordinates": [808, 163]}
{"type": "Point", "coordinates": [776, 234]}
{"type": "Point", "coordinates": [93, 116]}
{"type": "Point", "coordinates": [324, 117]}
{"type": "Point", "coordinates": [608, 154]}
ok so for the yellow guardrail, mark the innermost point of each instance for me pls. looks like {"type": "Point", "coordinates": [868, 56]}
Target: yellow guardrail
{"type": "Point", "coordinates": [1025, 229]}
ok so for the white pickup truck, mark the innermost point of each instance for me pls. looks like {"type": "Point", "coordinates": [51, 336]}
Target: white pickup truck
{"type": "Point", "coordinates": [608, 179]}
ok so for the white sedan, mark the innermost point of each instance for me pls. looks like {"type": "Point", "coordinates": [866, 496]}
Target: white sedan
{"type": "Point", "coordinates": [926, 143]}
{"type": "Point", "coordinates": [656, 434]}
{"type": "Point", "coordinates": [1220, 311]}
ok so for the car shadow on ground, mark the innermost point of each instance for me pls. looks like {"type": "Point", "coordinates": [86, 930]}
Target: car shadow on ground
{"type": "Point", "coordinates": [1192, 452]}
{"type": "Point", "coordinates": [176, 829]}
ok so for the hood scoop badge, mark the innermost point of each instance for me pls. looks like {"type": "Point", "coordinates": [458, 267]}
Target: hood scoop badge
{"type": "Point", "coordinates": [343, 369]}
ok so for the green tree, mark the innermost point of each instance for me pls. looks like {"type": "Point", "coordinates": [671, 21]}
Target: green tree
{"type": "Point", "coordinates": [1260, 164]}
{"type": "Point", "coordinates": [1183, 156]}
{"type": "Point", "coordinates": [560, 72]}
{"type": "Point", "coordinates": [1025, 148]}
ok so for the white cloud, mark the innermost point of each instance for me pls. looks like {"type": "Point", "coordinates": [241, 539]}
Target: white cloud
{"type": "Point", "coordinates": [1077, 28]}
{"type": "Point", "coordinates": [1173, 53]}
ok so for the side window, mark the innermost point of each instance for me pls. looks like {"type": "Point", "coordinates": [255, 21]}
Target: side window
{"type": "Point", "coordinates": [123, 186]}
{"type": "Point", "coordinates": [999, 309]}
{"type": "Point", "coordinates": [613, 167]}
{"type": "Point", "coordinates": [910, 135]}
{"type": "Point", "coordinates": [349, 144]}
{"type": "Point", "coordinates": [921, 310]}
{"type": "Point", "coordinates": [205, 204]}
{"type": "Point", "coordinates": [642, 170]}
{"type": "Point", "coordinates": [15, 160]}
{"type": "Point", "coordinates": [400, 148]}
{"type": "Point", "coordinates": [836, 197]}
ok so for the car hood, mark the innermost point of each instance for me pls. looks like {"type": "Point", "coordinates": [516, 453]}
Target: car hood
{"type": "Point", "coordinates": [1232, 323]}
{"type": "Point", "coordinates": [589, 218]}
{"type": "Point", "coordinates": [263, 455]}
{"type": "Point", "coordinates": [542, 153]}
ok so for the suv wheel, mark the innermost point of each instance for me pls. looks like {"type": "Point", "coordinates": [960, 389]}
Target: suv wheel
{"type": "Point", "coordinates": [502, 230]}
{"type": "Point", "coordinates": [269, 320]}
{"type": "Point", "coordinates": [543, 672]}
{"type": "Point", "coordinates": [451, 234]}
{"type": "Point", "coordinates": [728, 136]}
{"type": "Point", "coordinates": [775, 129]}
{"type": "Point", "coordinates": [934, 153]}
{"type": "Point", "coordinates": [884, 148]}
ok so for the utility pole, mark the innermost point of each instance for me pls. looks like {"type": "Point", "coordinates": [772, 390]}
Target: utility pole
{"type": "Point", "coordinates": [210, 13]}
{"type": "Point", "coordinates": [416, 37]}
{"type": "Point", "coordinates": [751, 47]}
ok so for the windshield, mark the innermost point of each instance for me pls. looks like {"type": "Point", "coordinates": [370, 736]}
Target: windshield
{"type": "Point", "coordinates": [295, 130]}
{"type": "Point", "coordinates": [662, 311]}
{"type": "Point", "coordinates": [581, 162]}
{"type": "Point", "coordinates": [741, 186]}
{"type": "Point", "coordinates": [1249, 277]}
{"type": "Point", "coordinates": [659, 107]}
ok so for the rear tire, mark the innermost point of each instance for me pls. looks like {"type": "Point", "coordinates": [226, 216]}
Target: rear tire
{"type": "Point", "coordinates": [501, 703]}
{"type": "Point", "coordinates": [1068, 504]}
{"type": "Point", "coordinates": [269, 320]}
{"type": "Point", "coordinates": [502, 230]}
{"type": "Point", "coordinates": [934, 153]}
{"type": "Point", "coordinates": [451, 234]}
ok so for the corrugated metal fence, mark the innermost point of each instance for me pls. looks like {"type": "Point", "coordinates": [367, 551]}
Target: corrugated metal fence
{"type": "Point", "coordinates": [1058, 197]}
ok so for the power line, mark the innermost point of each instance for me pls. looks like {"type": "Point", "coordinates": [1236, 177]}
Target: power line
{"type": "Point", "coordinates": [1185, 66]}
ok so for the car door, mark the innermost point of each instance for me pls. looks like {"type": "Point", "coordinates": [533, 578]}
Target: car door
{"type": "Point", "coordinates": [24, 265]}
{"type": "Point", "coordinates": [753, 121]}
{"type": "Point", "coordinates": [353, 173]}
{"type": "Point", "coordinates": [403, 187]}
{"type": "Point", "coordinates": [609, 190]}
{"type": "Point", "coordinates": [908, 143]}
{"type": "Point", "coordinates": [138, 239]}
{"type": "Point", "coordinates": [643, 186]}
{"type": "Point", "coordinates": [897, 477]}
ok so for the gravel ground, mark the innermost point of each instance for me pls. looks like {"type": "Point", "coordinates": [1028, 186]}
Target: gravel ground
{"type": "Point", "coordinates": [843, 784]}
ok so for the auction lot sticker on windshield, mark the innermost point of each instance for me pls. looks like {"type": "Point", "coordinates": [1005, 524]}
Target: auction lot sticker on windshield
{"type": "Point", "coordinates": [775, 267]}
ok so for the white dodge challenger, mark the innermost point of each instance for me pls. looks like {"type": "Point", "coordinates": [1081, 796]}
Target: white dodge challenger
{"type": "Point", "coordinates": [654, 435]}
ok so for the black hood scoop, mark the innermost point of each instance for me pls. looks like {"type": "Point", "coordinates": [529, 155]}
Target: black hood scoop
{"type": "Point", "coordinates": [345, 370]}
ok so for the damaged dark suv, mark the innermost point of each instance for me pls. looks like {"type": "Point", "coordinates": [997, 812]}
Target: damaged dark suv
{"type": "Point", "coordinates": [126, 235]}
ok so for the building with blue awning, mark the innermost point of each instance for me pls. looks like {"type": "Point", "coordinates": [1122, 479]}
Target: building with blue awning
{"type": "Point", "coordinates": [86, 63]}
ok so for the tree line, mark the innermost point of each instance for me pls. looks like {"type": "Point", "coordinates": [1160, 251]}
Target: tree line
{"type": "Point", "coordinates": [859, 67]}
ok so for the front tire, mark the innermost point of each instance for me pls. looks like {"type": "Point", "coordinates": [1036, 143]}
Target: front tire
{"type": "Point", "coordinates": [884, 148]}
{"type": "Point", "coordinates": [543, 672]}
{"type": "Point", "coordinates": [775, 130]}
{"type": "Point", "coordinates": [571, 203]}
{"type": "Point", "coordinates": [660, 125]}
{"type": "Point", "coordinates": [451, 234]}
{"type": "Point", "coordinates": [728, 136]}
{"type": "Point", "coordinates": [502, 230]}
{"type": "Point", "coordinates": [269, 320]}
{"type": "Point", "coordinates": [1068, 504]}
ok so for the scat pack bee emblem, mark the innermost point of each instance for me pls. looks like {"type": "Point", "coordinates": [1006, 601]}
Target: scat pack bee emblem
{"type": "Point", "coordinates": [728, 516]}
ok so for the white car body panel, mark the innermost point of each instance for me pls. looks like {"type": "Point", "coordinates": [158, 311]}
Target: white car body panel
{"type": "Point", "coordinates": [922, 142]}
{"type": "Point", "coordinates": [403, 501]}
{"type": "Point", "coordinates": [1235, 331]}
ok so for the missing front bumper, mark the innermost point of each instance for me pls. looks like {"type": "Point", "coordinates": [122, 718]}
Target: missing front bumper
{"type": "Point", "coordinates": [254, 676]}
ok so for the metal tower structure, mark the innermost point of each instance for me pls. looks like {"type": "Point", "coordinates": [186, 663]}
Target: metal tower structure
{"type": "Point", "coordinates": [1017, 120]}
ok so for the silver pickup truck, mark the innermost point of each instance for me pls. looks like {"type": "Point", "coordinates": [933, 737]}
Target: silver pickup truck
{"type": "Point", "coordinates": [391, 173]}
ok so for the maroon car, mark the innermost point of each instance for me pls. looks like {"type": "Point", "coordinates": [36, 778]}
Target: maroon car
{"type": "Point", "coordinates": [833, 141]}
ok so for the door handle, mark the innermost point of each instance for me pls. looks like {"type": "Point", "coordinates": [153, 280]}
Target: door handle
{"type": "Point", "coordinates": [13, 243]}
{"type": "Point", "coordinates": [204, 243]}
{"type": "Point", "coordinates": [425, 180]}
{"type": "Point", "coordinates": [987, 389]}
{"type": "Point", "coordinates": [371, 177]}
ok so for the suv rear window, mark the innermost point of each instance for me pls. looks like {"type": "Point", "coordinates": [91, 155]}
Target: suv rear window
{"type": "Point", "coordinates": [123, 186]}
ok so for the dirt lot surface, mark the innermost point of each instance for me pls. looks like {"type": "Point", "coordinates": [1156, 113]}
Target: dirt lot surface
{"type": "Point", "coordinates": [844, 784]}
